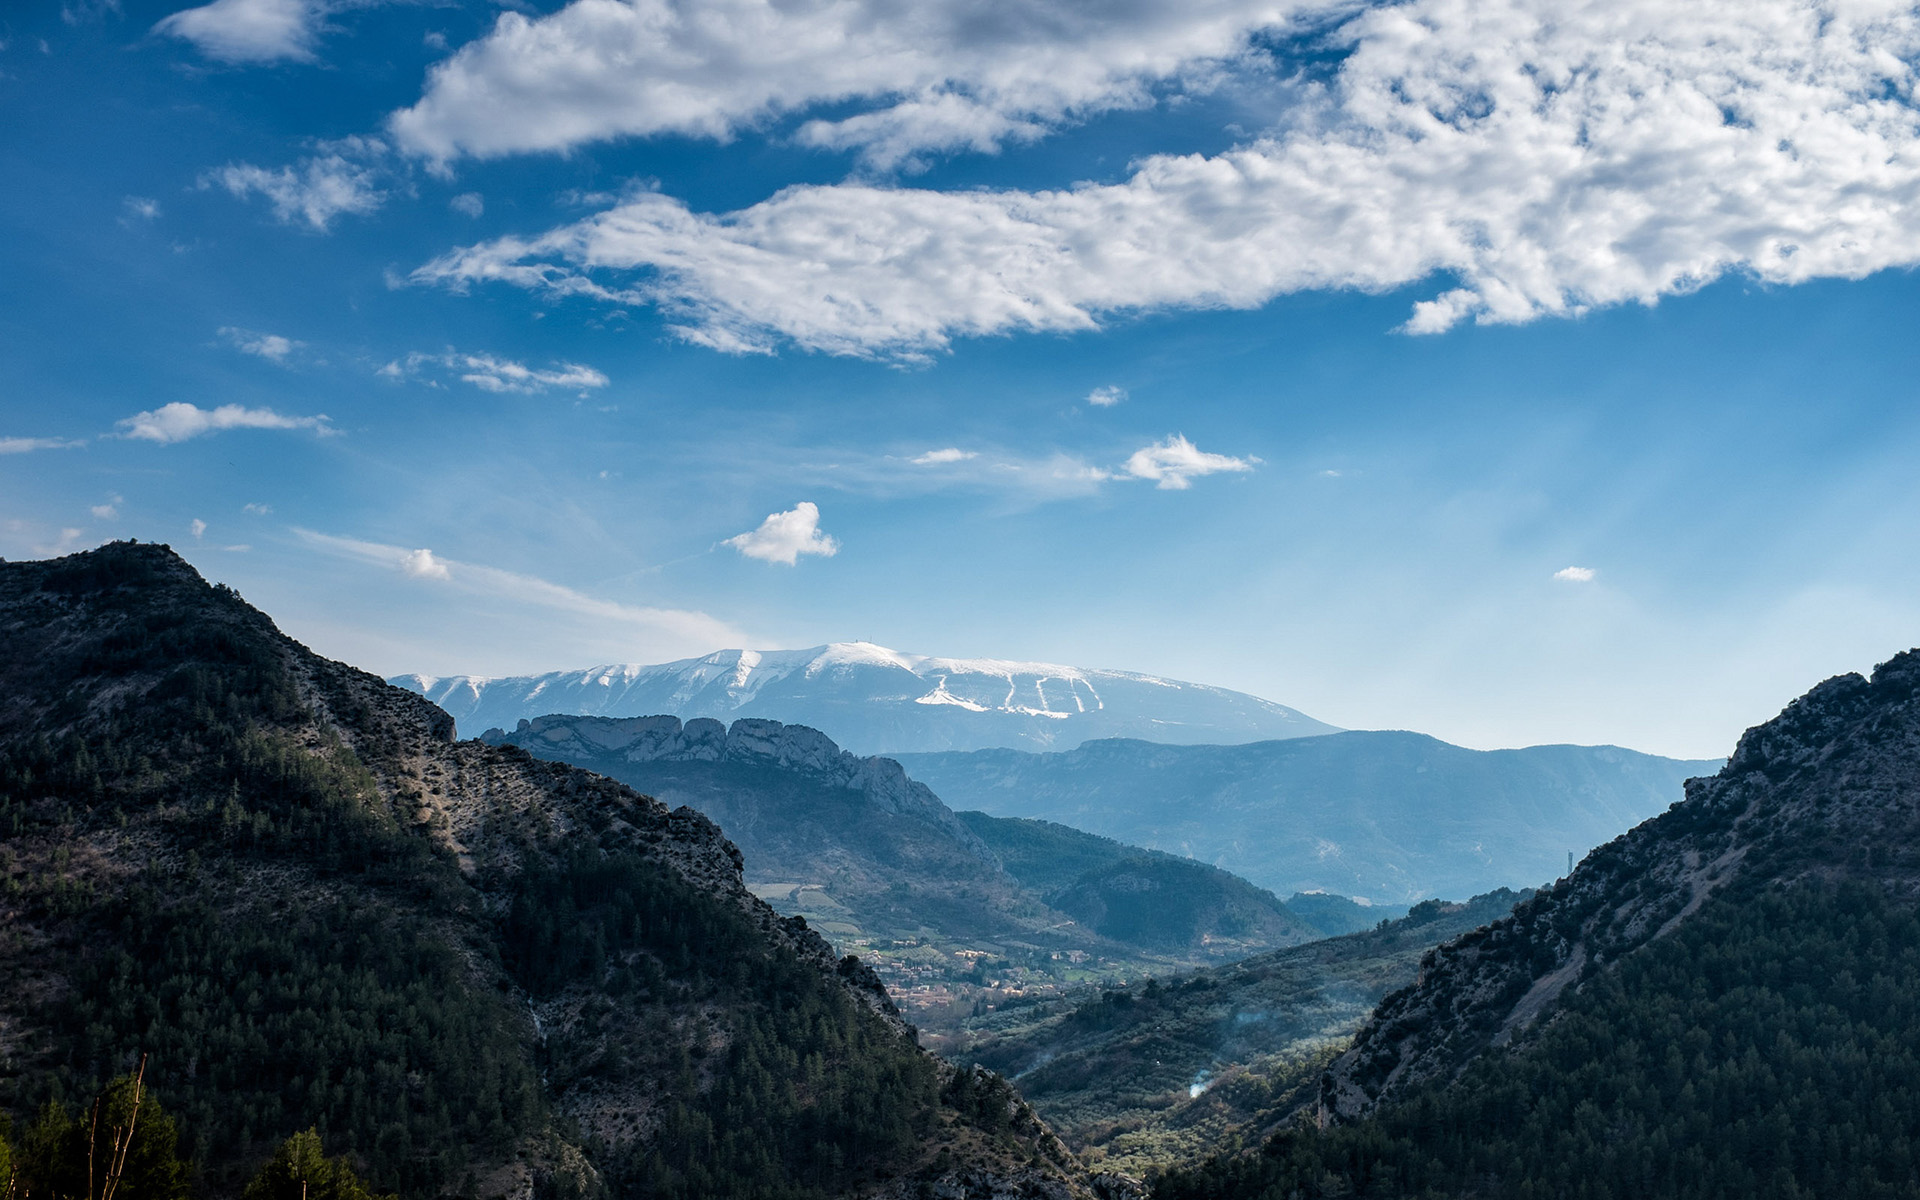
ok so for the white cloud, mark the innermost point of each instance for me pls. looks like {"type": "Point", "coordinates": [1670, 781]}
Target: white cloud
{"type": "Point", "coordinates": [179, 421]}
{"type": "Point", "coordinates": [258, 510]}
{"type": "Point", "coordinates": [1533, 157]}
{"type": "Point", "coordinates": [23, 445]}
{"type": "Point", "coordinates": [784, 536]}
{"type": "Point", "coordinates": [325, 186]}
{"type": "Point", "coordinates": [952, 454]}
{"type": "Point", "coordinates": [932, 76]}
{"type": "Point", "coordinates": [1106, 397]}
{"type": "Point", "coordinates": [199, 528]}
{"type": "Point", "coordinates": [421, 564]}
{"type": "Point", "coordinates": [1174, 463]}
{"type": "Point", "coordinates": [270, 346]}
{"type": "Point", "coordinates": [497, 375]}
{"type": "Point", "coordinates": [682, 628]}
{"type": "Point", "coordinates": [470, 204]}
{"type": "Point", "coordinates": [1575, 574]}
{"type": "Point", "coordinates": [109, 510]}
{"type": "Point", "coordinates": [140, 208]}
{"type": "Point", "coordinates": [249, 31]}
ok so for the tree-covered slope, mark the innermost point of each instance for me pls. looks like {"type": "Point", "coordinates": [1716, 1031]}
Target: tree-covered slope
{"type": "Point", "coordinates": [1721, 1003]}
{"type": "Point", "coordinates": [1167, 1069]}
{"type": "Point", "coordinates": [473, 971]}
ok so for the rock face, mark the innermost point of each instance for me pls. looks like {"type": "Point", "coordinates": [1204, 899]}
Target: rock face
{"type": "Point", "coordinates": [1828, 790]}
{"type": "Point", "coordinates": [472, 969]}
{"type": "Point", "coordinates": [879, 701]}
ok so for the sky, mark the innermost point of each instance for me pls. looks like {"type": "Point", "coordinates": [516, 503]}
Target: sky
{"type": "Point", "coordinates": [1515, 371]}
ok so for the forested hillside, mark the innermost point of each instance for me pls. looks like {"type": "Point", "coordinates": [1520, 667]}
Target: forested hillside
{"type": "Point", "coordinates": [1724, 1002]}
{"type": "Point", "coordinates": [470, 971]}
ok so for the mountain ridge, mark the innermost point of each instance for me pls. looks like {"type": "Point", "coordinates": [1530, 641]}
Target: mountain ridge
{"type": "Point", "coordinates": [873, 700]}
{"type": "Point", "coordinates": [287, 884]}
{"type": "Point", "coordinates": [1391, 816]}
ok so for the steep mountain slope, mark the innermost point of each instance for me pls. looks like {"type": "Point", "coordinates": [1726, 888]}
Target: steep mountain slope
{"type": "Point", "coordinates": [473, 971]}
{"type": "Point", "coordinates": [883, 867]}
{"type": "Point", "coordinates": [876, 701]}
{"type": "Point", "coordinates": [1829, 789]}
{"type": "Point", "coordinates": [1155, 1072]}
{"type": "Point", "coordinates": [1722, 1003]}
{"type": "Point", "coordinates": [1392, 817]}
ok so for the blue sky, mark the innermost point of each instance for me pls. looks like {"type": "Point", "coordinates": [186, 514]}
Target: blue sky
{"type": "Point", "coordinates": [1301, 348]}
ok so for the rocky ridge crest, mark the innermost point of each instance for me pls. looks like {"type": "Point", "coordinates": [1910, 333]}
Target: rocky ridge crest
{"type": "Point", "coordinates": [1827, 790]}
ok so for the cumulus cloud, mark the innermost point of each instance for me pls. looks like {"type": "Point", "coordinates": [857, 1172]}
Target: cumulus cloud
{"type": "Point", "coordinates": [952, 454]}
{"type": "Point", "coordinates": [470, 204]}
{"type": "Point", "coordinates": [421, 564]}
{"type": "Point", "coordinates": [1174, 463]}
{"type": "Point", "coordinates": [1106, 397]}
{"type": "Point", "coordinates": [26, 445]}
{"type": "Point", "coordinates": [109, 510]}
{"type": "Point", "coordinates": [180, 421]}
{"type": "Point", "coordinates": [249, 31]}
{"type": "Point", "coordinates": [497, 375]}
{"type": "Point", "coordinates": [270, 346]}
{"type": "Point", "coordinates": [1575, 574]}
{"type": "Point", "coordinates": [336, 182]}
{"type": "Point", "coordinates": [678, 627]}
{"type": "Point", "coordinates": [1530, 157]}
{"type": "Point", "coordinates": [784, 536]}
{"type": "Point", "coordinates": [931, 76]}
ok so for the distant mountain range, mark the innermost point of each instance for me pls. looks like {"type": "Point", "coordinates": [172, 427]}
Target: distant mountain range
{"type": "Point", "coordinates": [1392, 817]}
{"type": "Point", "coordinates": [873, 700]}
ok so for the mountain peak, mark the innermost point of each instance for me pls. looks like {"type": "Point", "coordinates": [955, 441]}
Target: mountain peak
{"type": "Point", "coordinates": [874, 699]}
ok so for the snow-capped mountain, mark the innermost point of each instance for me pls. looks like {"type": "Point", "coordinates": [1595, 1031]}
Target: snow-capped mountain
{"type": "Point", "coordinates": [873, 700]}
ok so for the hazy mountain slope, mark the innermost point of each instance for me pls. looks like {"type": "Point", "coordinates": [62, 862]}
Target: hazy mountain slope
{"type": "Point", "coordinates": [872, 700]}
{"type": "Point", "coordinates": [1151, 1073]}
{"type": "Point", "coordinates": [1723, 1002]}
{"type": "Point", "coordinates": [471, 970]}
{"type": "Point", "coordinates": [1392, 817]}
{"type": "Point", "coordinates": [1142, 897]}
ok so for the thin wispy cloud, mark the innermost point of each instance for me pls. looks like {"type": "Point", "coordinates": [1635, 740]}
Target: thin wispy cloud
{"type": "Point", "coordinates": [667, 626]}
{"type": "Point", "coordinates": [784, 536]}
{"type": "Point", "coordinates": [490, 373]}
{"type": "Point", "coordinates": [341, 180]}
{"type": "Point", "coordinates": [1106, 397]}
{"type": "Point", "coordinates": [935, 458]}
{"type": "Point", "coordinates": [139, 208]}
{"type": "Point", "coordinates": [180, 421]}
{"type": "Point", "coordinates": [270, 346]}
{"type": "Point", "coordinates": [1174, 463]}
{"type": "Point", "coordinates": [27, 445]}
{"type": "Point", "coordinates": [1539, 158]}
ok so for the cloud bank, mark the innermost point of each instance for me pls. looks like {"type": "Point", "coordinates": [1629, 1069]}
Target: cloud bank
{"type": "Point", "coordinates": [932, 76]}
{"type": "Point", "coordinates": [1530, 158]}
